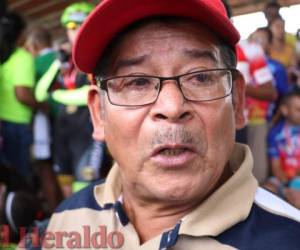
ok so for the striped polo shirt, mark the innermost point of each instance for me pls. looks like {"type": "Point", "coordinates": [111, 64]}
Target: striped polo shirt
{"type": "Point", "coordinates": [238, 215]}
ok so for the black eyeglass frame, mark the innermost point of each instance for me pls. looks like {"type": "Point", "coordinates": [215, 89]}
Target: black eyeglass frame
{"type": "Point", "coordinates": [102, 84]}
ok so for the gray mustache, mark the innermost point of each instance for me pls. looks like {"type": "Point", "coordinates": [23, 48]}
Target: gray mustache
{"type": "Point", "coordinates": [173, 135]}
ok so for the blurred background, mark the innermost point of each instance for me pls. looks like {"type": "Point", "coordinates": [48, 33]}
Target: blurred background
{"type": "Point", "coordinates": [247, 14]}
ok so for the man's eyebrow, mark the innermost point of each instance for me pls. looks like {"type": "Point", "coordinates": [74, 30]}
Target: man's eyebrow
{"type": "Point", "coordinates": [198, 53]}
{"type": "Point", "coordinates": [129, 62]}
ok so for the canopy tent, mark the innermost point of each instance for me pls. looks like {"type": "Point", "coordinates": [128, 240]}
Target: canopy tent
{"type": "Point", "coordinates": [47, 13]}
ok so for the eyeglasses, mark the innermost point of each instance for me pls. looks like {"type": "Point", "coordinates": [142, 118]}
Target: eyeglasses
{"type": "Point", "coordinates": [140, 90]}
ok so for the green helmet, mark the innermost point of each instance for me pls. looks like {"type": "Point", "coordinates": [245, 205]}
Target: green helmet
{"type": "Point", "coordinates": [76, 12]}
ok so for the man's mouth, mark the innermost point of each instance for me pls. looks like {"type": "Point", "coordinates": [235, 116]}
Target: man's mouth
{"type": "Point", "coordinates": [172, 151]}
{"type": "Point", "coordinates": [173, 155]}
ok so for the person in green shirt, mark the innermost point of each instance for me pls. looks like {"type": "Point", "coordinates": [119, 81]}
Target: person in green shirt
{"type": "Point", "coordinates": [16, 96]}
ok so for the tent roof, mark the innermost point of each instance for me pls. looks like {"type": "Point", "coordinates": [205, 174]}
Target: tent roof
{"type": "Point", "coordinates": [47, 13]}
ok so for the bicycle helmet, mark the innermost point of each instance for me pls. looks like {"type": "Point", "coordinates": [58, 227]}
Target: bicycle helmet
{"type": "Point", "coordinates": [75, 14]}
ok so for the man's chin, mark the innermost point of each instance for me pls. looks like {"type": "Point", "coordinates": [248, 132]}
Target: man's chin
{"type": "Point", "coordinates": [179, 193]}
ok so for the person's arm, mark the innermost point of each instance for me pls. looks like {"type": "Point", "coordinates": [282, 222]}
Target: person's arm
{"type": "Point", "coordinates": [23, 80]}
{"type": "Point", "coordinates": [77, 97]}
{"type": "Point", "coordinates": [42, 86]}
{"type": "Point", "coordinates": [25, 96]}
{"type": "Point", "coordinates": [265, 91]}
{"type": "Point", "coordinates": [277, 170]}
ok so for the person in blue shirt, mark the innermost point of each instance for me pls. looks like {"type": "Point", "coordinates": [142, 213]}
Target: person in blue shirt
{"type": "Point", "coordinates": [284, 148]}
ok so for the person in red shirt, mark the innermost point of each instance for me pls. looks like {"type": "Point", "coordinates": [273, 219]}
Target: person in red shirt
{"type": "Point", "coordinates": [259, 92]}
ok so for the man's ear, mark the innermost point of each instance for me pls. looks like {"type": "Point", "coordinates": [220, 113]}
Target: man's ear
{"type": "Point", "coordinates": [239, 100]}
{"type": "Point", "coordinates": [94, 104]}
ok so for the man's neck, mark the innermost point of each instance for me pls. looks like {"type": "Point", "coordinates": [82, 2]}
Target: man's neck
{"type": "Point", "coordinates": [152, 217]}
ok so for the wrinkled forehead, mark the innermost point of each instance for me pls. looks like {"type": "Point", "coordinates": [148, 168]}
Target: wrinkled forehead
{"type": "Point", "coordinates": [162, 31]}
{"type": "Point", "coordinates": [176, 24]}
{"type": "Point", "coordinates": [156, 26]}
{"type": "Point", "coordinates": [164, 22]}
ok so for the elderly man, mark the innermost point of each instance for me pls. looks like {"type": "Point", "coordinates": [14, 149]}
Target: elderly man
{"type": "Point", "coordinates": [168, 100]}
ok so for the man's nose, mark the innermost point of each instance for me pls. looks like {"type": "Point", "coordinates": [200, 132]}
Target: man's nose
{"type": "Point", "coordinates": [171, 104]}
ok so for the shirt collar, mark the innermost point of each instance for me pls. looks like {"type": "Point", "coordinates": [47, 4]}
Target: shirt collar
{"type": "Point", "coordinates": [229, 204]}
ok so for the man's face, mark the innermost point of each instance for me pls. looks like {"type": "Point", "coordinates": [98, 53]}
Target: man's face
{"type": "Point", "coordinates": [173, 150]}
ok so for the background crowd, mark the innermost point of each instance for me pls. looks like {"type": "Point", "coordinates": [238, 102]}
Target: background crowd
{"type": "Point", "coordinates": [46, 147]}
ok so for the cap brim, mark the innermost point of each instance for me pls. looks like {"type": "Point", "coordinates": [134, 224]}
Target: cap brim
{"type": "Point", "coordinates": [112, 16]}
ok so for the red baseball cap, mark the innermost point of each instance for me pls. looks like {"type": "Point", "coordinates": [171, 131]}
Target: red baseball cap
{"type": "Point", "coordinates": [112, 16]}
